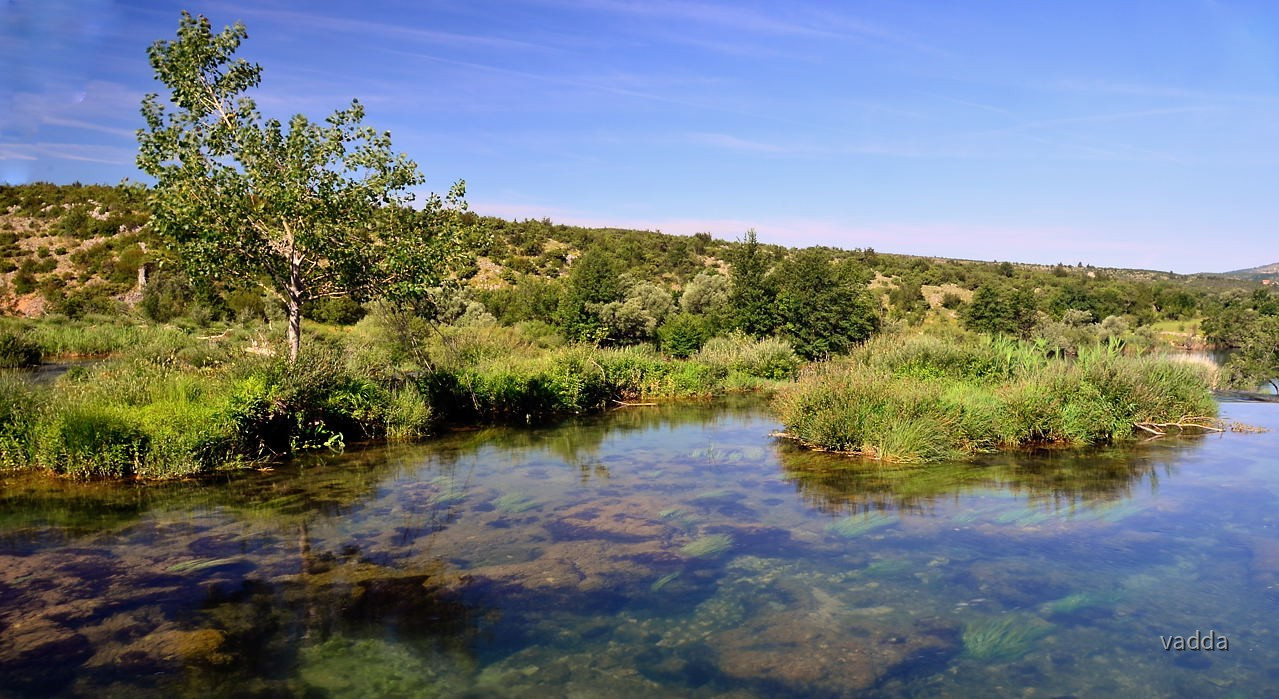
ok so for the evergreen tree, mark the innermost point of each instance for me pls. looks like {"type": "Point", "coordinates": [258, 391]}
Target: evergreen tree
{"type": "Point", "coordinates": [752, 296]}
{"type": "Point", "coordinates": [592, 283]}
{"type": "Point", "coordinates": [824, 307]}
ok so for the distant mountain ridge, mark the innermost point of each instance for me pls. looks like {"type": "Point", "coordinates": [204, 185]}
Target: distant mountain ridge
{"type": "Point", "coordinates": [1269, 270]}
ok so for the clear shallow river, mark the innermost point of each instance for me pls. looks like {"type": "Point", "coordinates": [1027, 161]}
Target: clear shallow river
{"type": "Point", "coordinates": [673, 550]}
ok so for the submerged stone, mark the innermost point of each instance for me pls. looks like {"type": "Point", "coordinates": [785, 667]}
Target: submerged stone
{"type": "Point", "coordinates": [819, 654]}
{"type": "Point", "coordinates": [615, 519]}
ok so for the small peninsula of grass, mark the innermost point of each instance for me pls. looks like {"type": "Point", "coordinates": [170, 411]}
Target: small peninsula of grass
{"type": "Point", "coordinates": [925, 399]}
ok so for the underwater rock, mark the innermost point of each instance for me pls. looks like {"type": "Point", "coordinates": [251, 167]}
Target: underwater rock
{"type": "Point", "coordinates": [372, 667]}
{"type": "Point", "coordinates": [759, 539]}
{"type": "Point", "coordinates": [196, 647]}
{"type": "Point", "coordinates": [572, 567]}
{"type": "Point", "coordinates": [1015, 582]}
{"type": "Point", "coordinates": [30, 647]}
{"type": "Point", "coordinates": [614, 519]}
{"type": "Point", "coordinates": [1265, 562]}
{"type": "Point", "coordinates": [814, 653]}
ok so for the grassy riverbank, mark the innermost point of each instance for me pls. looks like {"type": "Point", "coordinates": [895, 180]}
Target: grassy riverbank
{"type": "Point", "coordinates": [922, 399]}
{"type": "Point", "coordinates": [176, 404]}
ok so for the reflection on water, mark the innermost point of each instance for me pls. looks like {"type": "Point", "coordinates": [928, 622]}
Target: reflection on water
{"type": "Point", "coordinates": [673, 550]}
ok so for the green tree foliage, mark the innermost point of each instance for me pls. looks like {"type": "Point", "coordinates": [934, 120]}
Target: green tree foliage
{"type": "Point", "coordinates": [592, 283]}
{"type": "Point", "coordinates": [1000, 309]}
{"type": "Point", "coordinates": [907, 298]}
{"type": "Point", "coordinates": [1228, 324]}
{"type": "Point", "coordinates": [636, 317]}
{"type": "Point", "coordinates": [166, 296]}
{"type": "Point", "coordinates": [340, 310]}
{"type": "Point", "coordinates": [683, 334]}
{"type": "Point", "coordinates": [308, 210]}
{"type": "Point", "coordinates": [529, 298]}
{"type": "Point", "coordinates": [824, 306]}
{"type": "Point", "coordinates": [1257, 360]}
{"type": "Point", "coordinates": [707, 295]}
{"type": "Point", "coordinates": [752, 295]}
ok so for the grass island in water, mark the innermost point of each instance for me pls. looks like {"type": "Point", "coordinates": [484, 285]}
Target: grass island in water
{"type": "Point", "coordinates": [925, 399]}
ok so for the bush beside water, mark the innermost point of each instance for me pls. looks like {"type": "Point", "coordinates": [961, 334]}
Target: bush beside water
{"type": "Point", "coordinates": [17, 349]}
{"type": "Point", "coordinates": [176, 404]}
{"type": "Point", "coordinates": [925, 399]}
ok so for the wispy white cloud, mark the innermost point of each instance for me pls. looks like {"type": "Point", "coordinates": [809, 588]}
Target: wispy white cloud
{"type": "Point", "coordinates": [796, 20]}
{"type": "Point", "coordinates": [84, 152]}
{"type": "Point", "coordinates": [347, 27]}
{"type": "Point", "coordinates": [969, 103]}
{"type": "Point", "coordinates": [1108, 117]}
{"type": "Point", "coordinates": [586, 84]}
{"type": "Point", "coordinates": [730, 142]}
{"type": "Point", "coordinates": [88, 126]}
{"type": "Point", "coordinates": [1110, 87]}
{"type": "Point", "coordinates": [19, 153]}
{"type": "Point", "coordinates": [732, 17]}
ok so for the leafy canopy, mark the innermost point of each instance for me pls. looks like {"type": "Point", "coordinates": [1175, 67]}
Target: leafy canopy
{"type": "Point", "coordinates": [307, 210]}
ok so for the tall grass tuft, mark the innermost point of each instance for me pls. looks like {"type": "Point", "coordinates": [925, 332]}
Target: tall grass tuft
{"type": "Point", "coordinates": [924, 399]}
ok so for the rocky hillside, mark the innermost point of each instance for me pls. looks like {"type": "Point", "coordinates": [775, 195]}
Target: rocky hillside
{"type": "Point", "coordinates": [78, 249]}
{"type": "Point", "coordinates": [1270, 271]}
{"type": "Point", "coordinates": [71, 249]}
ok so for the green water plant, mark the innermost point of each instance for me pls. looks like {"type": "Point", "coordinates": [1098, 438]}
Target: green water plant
{"type": "Point", "coordinates": [854, 526]}
{"type": "Point", "coordinates": [1005, 638]}
{"type": "Point", "coordinates": [663, 581]}
{"type": "Point", "coordinates": [199, 564]}
{"type": "Point", "coordinates": [711, 546]}
{"type": "Point", "coordinates": [515, 503]}
{"type": "Point", "coordinates": [1078, 601]}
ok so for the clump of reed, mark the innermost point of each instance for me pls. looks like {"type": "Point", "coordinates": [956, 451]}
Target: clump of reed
{"type": "Point", "coordinates": [923, 399]}
{"type": "Point", "coordinates": [766, 358]}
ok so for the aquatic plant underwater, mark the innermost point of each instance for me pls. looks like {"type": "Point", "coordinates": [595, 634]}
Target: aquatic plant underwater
{"type": "Point", "coordinates": [1005, 638]}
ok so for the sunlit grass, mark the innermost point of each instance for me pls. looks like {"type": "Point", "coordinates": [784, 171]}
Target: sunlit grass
{"type": "Point", "coordinates": [924, 399]}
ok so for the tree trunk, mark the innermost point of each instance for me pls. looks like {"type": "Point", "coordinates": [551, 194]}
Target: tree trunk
{"type": "Point", "coordinates": [295, 328]}
{"type": "Point", "coordinates": [294, 300]}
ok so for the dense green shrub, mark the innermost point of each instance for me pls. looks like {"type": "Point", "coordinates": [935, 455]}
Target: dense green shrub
{"type": "Point", "coordinates": [342, 310]}
{"type": "Point", "coordinates": [166, 296]}
{"type": "Point", "coordinates": [683, 335]}
{"type": "Point", "coordinates": [1000, 309]}
{"type": "Point", "coordinates": [18, 348]}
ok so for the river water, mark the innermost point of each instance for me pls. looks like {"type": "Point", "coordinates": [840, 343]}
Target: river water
{"type": "Point", "coordinates": [675, 550]}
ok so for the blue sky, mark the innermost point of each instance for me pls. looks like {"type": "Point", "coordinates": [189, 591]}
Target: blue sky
{"type": "Point", "coordinates": [1135, 134]}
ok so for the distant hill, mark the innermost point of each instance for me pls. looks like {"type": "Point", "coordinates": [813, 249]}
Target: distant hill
{"type": "Point", "coordinates": [81, 249]}
{"type": "Point", "coordinates": [1262, 272]}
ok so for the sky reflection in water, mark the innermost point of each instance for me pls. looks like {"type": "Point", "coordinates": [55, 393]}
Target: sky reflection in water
{"type": "Point", "coordinates": [653, 551]}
